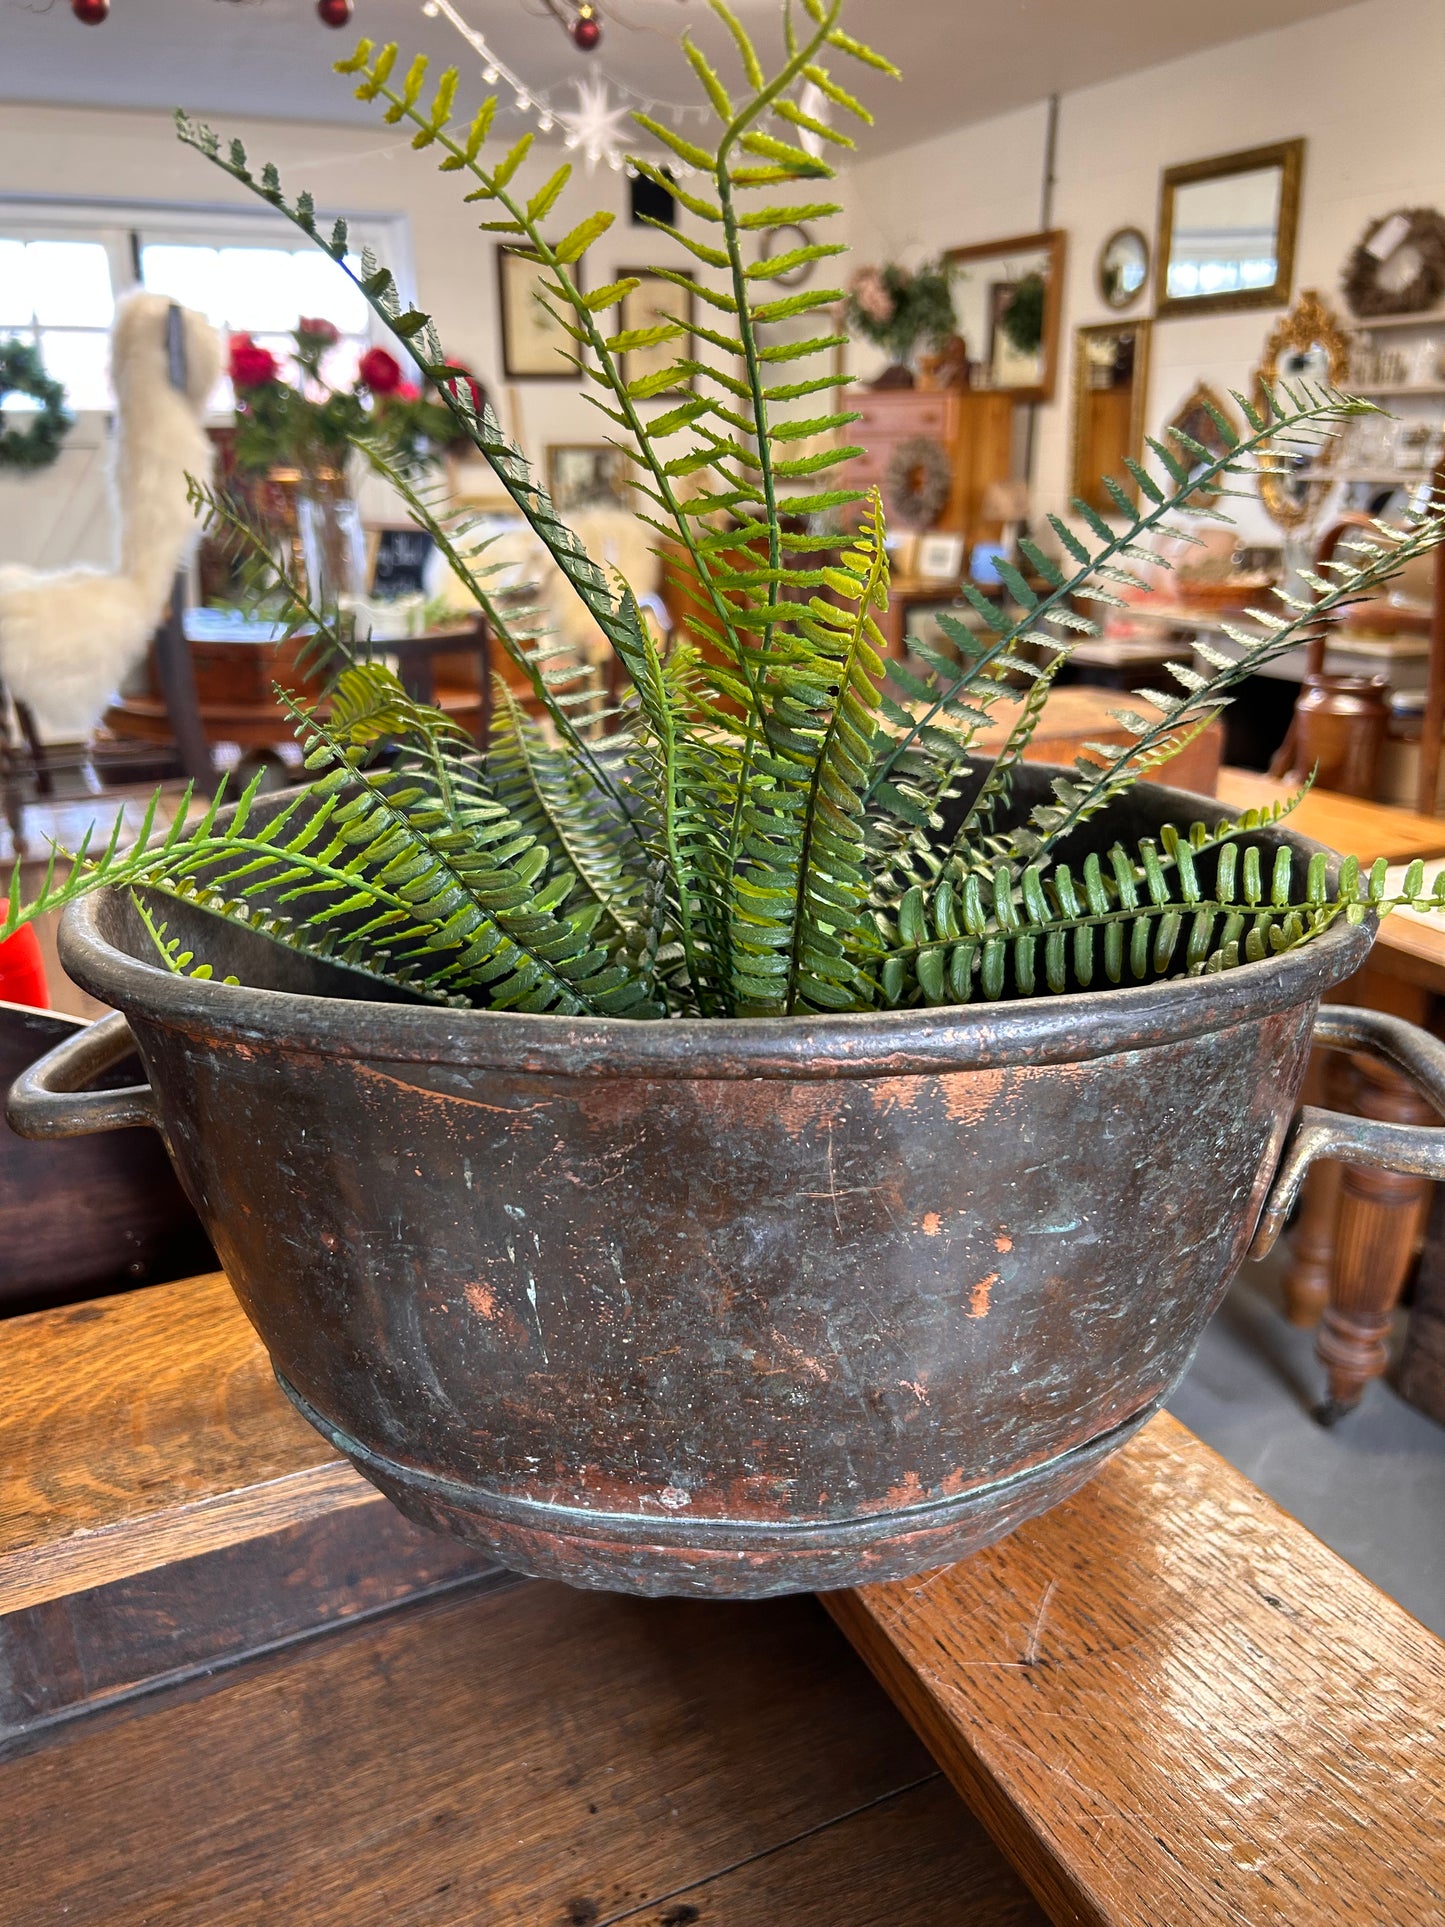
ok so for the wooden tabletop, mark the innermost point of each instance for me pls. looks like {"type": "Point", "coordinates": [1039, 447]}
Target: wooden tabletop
{"type": "Point", "coordinates": [1343, 823]}
{"type": "Point", "coordinates": [143, 1429]}
{"type": "Point", "coordinates": [1174, 1707]}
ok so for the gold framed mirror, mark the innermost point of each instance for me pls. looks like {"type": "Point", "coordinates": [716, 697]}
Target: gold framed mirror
{"type": "Point", "coordinates": [1111, 386]}
{"type": "Point", "coordinates": [1308, 344]}
{"type": "Point", "coordinates": [1008, 297]}
{"type": "Point", "coordinates": [1227, 231]}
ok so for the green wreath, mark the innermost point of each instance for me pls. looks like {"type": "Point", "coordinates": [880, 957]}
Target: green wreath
{"type": "Point", "coordinates": [37, 444]}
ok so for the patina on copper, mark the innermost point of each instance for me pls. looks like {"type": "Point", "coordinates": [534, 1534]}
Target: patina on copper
{"type": "Point", "coordinates": [718, 1307]}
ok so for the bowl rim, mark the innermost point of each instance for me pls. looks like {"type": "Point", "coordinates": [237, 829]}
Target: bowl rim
{"type": "Point", "coordinates": [1076, 1027]}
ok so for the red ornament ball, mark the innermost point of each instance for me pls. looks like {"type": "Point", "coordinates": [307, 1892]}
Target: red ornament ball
{"type": "Point", "coordinates": [336, 13]}
{"type": "Point", "coordinates": [587, 32]}
{"type": "Point", "coordinates": [90, 13]}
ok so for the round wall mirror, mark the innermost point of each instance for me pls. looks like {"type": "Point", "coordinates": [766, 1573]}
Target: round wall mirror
{"type": "Point", "coordinates": [1123, 268]}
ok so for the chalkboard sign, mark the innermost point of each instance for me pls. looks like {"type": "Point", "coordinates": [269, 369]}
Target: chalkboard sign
{"type": "Point", "coordinates": [400, 567]}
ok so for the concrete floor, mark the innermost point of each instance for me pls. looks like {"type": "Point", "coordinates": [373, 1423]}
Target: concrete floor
{"type": "Point", "coordinates": [1372, 1487]}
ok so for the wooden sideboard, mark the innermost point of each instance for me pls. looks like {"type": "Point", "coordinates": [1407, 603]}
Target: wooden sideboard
{"type": "Point", "coordinates": [974, 426]}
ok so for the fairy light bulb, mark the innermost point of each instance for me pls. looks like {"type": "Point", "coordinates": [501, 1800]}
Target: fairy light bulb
{"type": "Point", "coordinates": [489, 74]}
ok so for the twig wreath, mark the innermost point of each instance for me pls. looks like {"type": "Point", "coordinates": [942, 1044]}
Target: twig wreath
{"type": "Point", "coordinates": [37, 443]}
{"type": "Point", "coordinates": [1423, 233]}
{"type": "Point", "coordinates": [917, 481]}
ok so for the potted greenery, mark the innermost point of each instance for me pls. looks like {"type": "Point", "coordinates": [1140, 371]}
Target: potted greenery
{"type": "Point", "coordinates": [759, 1146]}
{"type": "Point", "coordinates": [897, 309]}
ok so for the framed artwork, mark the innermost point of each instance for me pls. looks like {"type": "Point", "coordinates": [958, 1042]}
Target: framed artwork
{"type": "Point", "coordinates": [652, 301]}
{"type": "Point", "coordinates": [533, 344]}
{"type": "Point", "coordinates": [587, 475]}
{"type": "Point", "coordinates": [1008, 297]}
{"type": "Point", "coordinates": [940, 557]}
{"type": "Point", "coordinates": [1194, 419]}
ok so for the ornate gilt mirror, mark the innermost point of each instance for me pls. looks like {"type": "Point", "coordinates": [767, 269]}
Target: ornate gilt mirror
{"type": "Point", "coordinates": [1008, 296]}
{"type": "Point", "coordinates": [1308, 345]}
{"type": "Point", "coordinates": [1111, 380]}
{"type": "Point", "coordinates": [1227, 231]}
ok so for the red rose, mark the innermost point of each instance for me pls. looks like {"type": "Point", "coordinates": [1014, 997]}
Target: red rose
{"type": "Point", "coordinates": [250, 367]}
{"type": "Point", "coordinates": [406, 391]}
{"type": "Point", "coordinates": [379, 371]}
{"type": "Point", "coordinates": [318, 328]}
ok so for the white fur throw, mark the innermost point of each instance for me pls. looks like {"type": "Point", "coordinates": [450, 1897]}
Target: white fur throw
{"type": "Point", "coordinates": [68, 639]}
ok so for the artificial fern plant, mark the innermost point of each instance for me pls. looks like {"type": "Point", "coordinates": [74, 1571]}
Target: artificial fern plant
{"type": "Point", "coordinates": [773, 820]}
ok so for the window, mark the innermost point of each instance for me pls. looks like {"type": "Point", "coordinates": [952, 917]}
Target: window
{"type": "Point", "coordinates": [263, 292]}
{"type": "Point", "coordinates": [61, 272]}
{"type": "Point", "coordinates": [58, 294]}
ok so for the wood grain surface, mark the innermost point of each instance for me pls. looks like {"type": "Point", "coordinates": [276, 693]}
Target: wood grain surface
{"type": "Point", "coordinates": [146, 1428]}
{"type": "Point", "coordinates": [1174, 1707]}
{"type": "Point", "coordinates": [1343, 823]}
{"type": "Point", "coordinates": [68, 1656]}
{"type": "Point", "coordinates": [531, 1758]}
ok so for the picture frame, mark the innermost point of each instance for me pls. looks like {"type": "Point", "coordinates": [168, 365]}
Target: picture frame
{"type": "Point", "coordinates": [587, 475]}
{"type": "Point", "coordinates": [1201, 266]}
{"type": "Point", "coordinates": [534, 346]}
{"type": "Point", "coordinates": [939, 557]}
{"type": "Point", "coordinates": [654, 299]}
{"type": "Point", "coordinates": [985, 280]}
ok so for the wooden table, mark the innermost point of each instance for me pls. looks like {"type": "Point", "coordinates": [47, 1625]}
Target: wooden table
{"type": "Point", "coordinates": [1343, 823]}
{"type": "Point", "coordinates": [1168, 1704]}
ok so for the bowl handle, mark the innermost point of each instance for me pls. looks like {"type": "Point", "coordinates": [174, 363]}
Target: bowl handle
{"type": "Point", "coordinates": [47, 1100]}
{"type": "Point", "coordinates": [1415, 1149]}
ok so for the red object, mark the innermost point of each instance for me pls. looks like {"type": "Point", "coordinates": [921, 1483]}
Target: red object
{"type": "Point", "coordinates": [22, 968]}
{"type": "Point", "coordinates": [90, 13]}
{"type": "Point", "coordinates": [379, 371]}
{"type": "Point", "coordinates": [464, 374]}
{"type": "Point", "coordinates": [587, 31]}
{"type": "Point", "coordinates": [406, 391]}
{"type": "Point", "coordinates": [336, 13]}
{"type": "Point", "coordinates": [250, 366]}
{"type": "Point", "coordinates": [318, 328]}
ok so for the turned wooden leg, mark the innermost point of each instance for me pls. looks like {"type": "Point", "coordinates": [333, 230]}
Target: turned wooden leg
{"type": "Point", "coordinates": [1379, 1220]}
{"type": "Point", "coordinates": [1330, 1080]}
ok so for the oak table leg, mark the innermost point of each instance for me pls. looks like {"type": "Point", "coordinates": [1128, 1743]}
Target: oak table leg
{"type": "Point", "coordinates": [1379, 1218]}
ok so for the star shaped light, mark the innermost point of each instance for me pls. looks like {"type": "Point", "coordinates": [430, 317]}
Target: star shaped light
{"type": "Point", "coordinates": [598, 123]}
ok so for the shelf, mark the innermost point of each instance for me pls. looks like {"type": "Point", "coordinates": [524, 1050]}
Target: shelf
{"type": "Point", "coordinates": [1367, 390]}
{"type": "Point", "coordinates": [1367, 324]}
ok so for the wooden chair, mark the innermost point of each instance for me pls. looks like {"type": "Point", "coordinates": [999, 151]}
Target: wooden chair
{"type": "Point", "coordinates": [87, 1215]}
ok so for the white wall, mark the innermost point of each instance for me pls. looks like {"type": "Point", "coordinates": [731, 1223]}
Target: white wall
{"type": "Point", "coordinates": [1364, 86]}
{"type": "Point", "coordinates": [125, 157]}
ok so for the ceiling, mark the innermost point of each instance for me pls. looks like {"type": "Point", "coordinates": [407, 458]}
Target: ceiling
{"type": "Point", "coordinates": [962, 59]}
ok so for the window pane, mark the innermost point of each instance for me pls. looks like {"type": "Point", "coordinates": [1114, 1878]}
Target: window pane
{"type": "Point", "coordinates": [70, 283]}
{"type": "Point", "coordinates": [15, 309]}
{"type": "Point", "coordinates": [82, 362]}
{"type": "Point", "coordinates": [259, 288]}
{"type": "Point", "coordinates": [189, 275]}
{"type": "Point", "coordinates": [321, 288]}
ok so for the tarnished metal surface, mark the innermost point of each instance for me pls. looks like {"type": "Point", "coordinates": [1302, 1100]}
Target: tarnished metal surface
{"type": "Point", "coordinates": [723, 1308]}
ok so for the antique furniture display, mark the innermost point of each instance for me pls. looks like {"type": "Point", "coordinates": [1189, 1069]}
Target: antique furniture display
{"type": "Point", "coordinates": [1309, 345]}
{"type": "Point", "coordinates": [1111, 392]}
{"type": "Point", "coordinates": [1008, 297]}
{"type": "Point", "coordinates": [1122, 269]}
{"type": "Point", "coordinates": [1227, 231]}
{"type": "Point", "coordinates": [973, 429]}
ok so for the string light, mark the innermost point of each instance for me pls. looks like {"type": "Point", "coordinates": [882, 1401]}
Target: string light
{"type": "Point", "coordinates": [597, 126]}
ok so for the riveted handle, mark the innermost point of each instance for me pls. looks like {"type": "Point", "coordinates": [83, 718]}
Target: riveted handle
{"type": "Point", "coordinates": [48, 1100]}
{"type": "Point", "coordinates": [1415, 1149]}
